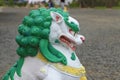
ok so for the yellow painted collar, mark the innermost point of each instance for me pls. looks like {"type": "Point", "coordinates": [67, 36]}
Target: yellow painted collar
{"type": "Point", "coordinates": [63, 68]}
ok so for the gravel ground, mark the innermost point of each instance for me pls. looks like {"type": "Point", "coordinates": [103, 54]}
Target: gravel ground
{"type": "Point", "coordinates": [100, 54]}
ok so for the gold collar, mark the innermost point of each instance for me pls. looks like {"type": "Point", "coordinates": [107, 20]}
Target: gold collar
{"type": "Point", "coordinates": [66, 69]}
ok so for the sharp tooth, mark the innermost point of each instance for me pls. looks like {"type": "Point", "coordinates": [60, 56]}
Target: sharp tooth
{"type": "Point", "coordinates": [64, 40]}
{"type": "Point", "coordinates": [71, 45]}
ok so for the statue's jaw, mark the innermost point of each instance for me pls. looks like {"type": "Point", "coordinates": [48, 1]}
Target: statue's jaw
{"type": "Point", "coordinates": [67, 41]}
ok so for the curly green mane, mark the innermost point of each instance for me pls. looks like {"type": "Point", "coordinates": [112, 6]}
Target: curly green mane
{"type": "Point", "coordinates": [34, 33]}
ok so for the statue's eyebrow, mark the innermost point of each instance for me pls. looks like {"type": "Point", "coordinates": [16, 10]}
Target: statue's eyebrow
{"type": "Point", "coordinates": [72, 25]}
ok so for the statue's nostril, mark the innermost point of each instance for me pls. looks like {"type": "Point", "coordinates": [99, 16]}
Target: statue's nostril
{"type": "Point", "coordinates": [83, 39]}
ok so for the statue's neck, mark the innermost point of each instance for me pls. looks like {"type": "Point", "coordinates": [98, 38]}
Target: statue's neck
{"type": "Point", "coordinates": [69, 54]}
{"type": "Point", "coordinates": [64, 50]}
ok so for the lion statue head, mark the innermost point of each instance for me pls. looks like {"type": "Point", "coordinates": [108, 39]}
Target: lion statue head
{"type": "Point", "coordinates": [43, 28]}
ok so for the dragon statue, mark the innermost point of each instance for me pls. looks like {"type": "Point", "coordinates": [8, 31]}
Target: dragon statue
{"type": "Point", "coordinates": [47, 42]}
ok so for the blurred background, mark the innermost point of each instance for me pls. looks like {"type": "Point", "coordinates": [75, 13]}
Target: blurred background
{"type": "Point", "coordinates": [72, 3]}
{"type": "Point", "coordinates": [99, 23]}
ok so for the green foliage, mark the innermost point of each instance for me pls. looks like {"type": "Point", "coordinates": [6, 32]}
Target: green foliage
{"type": "Point", "coordinates": [11, 2]}
{"type": "Point", "coordinates": [2, 2]}
{"type": "Point", "coordinates": [116, 7]}
{"type": "Point", "coordinates": [119, 3]}
{"type": "Point", "coordinates": [95, 3]}
{"type": "Point", "coordinates": [100, 7]}
{"type": "Point", "coordinates": [74, 4]}
{"type": "Point", "coordinates": [21, 4]}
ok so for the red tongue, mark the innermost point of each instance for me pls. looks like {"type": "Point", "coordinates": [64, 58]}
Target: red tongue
{"type": "Point", "coordinates": [74, 48]}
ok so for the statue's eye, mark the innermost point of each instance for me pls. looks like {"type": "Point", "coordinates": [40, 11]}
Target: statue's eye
{"type": "Point", "coordinates": [72, 32]}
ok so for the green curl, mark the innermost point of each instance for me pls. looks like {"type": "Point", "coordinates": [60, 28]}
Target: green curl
{"type": "Point", "coordinates": [16, 68]}
{"type": "Point", "coordinates": [18, 39]}
{"type": "Point", "coordinates": [43, 46]}
{"type": "Point", "coordinates": [31, 51]}
{"type": "Point", "coordinates": [28, 21]}
{"type": "Point", "coordinates": [21, 51]}
{"type": "Point", "coordinates": [39, 20]}
{"type": "Point", "coordinates": [35, 31]}
{"type": "Point", "coordinates": [33, 41]}
{"type": "Point", "coordinates": [47, 24]}
{"type": "Point", "coordinates": [34, 13]}
{"type": "Point", "coordinates": [45, 33]}
{"type": "Point", "coordinates": [58, 54]}
{"type": "Point", "coordinates": [24, 41]}
{"type": "Point", "coordinates": [24, 30]}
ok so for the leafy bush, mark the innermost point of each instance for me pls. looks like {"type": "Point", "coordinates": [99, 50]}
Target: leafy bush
{"type": "Point", "coordinates": [74, 4]}
{"type": "Point", "coordinates": [1, 2]}
{"type": "Point", "coordinates": [11, 2]}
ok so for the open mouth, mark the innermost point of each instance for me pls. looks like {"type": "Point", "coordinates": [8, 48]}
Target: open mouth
{"type": "Point", "coordinates": [68, 41]}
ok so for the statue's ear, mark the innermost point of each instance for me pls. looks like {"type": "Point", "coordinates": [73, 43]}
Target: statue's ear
{"type": "Point", "coordinates": [56, 17]}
